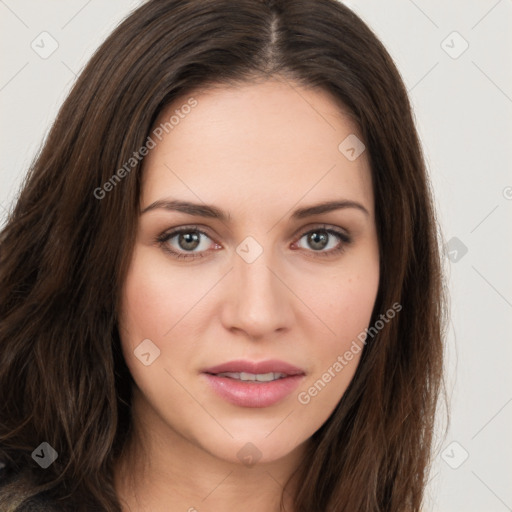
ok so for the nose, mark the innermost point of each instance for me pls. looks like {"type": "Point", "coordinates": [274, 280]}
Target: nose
{"type": "Point", "coordinates": [258, 300]}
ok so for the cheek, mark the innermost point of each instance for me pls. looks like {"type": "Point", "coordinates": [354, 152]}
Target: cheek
{"type": "Point", "coordinates": [346, 309]}
{"type": "Point", "coordinates": [161, 304]}
{"type": "Point", "coordinates": [153, 298]}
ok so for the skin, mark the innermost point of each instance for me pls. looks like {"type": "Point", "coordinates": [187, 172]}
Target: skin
{"type": "Point", "coordinates": [257, 151]}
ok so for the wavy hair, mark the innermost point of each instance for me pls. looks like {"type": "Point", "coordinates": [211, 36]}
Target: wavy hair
{"type": "Point", "coordinates": [64, 256]}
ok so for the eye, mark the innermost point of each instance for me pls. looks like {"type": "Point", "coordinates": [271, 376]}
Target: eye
{"type": "Point", "coordinates": [325, 241]}
{"type": "Point", "coordinates": [191, 242]}
{"type": "Point", "coordinates": [185, 242]}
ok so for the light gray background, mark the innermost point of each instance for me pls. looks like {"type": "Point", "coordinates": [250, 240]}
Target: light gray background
{"type": "Point", "coordinates": [463, 107]}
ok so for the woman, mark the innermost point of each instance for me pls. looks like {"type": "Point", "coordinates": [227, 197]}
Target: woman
{"type": "Point", "coordinates": [221, 281]}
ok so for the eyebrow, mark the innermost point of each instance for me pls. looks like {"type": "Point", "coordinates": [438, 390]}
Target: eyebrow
{"type": "Point", "coordinates": [210, 211]}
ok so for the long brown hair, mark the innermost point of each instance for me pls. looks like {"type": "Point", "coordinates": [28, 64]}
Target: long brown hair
{"type": "Point", "coordinates": [64, 253]}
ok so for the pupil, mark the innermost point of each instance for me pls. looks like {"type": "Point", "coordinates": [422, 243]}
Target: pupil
{"type": "Point", "coordinates": [191, 240]}
{"type": "Point", "coordinates": [318, 240]}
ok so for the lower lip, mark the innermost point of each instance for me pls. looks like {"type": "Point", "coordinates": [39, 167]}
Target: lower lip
{"type": "Point", "coordinates": [253, 394]}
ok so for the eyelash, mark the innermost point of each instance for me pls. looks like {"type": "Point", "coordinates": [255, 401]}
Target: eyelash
{"type": "Point", "coordinates": [164, 237]}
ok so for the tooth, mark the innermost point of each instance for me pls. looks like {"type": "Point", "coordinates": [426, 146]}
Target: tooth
{"type": "Point", "coordinates": [231, 375]}
{"type": "Point", "coordinates": [247, 376]}
{"type": "Point", "coordinates": [266, 377]}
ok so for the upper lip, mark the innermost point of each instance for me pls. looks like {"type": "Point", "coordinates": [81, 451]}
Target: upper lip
{"type": "Point", "coordinates": [255, 367]}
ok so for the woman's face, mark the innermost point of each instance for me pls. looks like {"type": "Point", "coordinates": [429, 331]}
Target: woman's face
{"type": "Point", "coordinates": [255, 280]}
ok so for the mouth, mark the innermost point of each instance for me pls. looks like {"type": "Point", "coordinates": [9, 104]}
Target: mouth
{"type": "Point", "coordinates": [252, 377]}
{"type": "Point", "coordinates": [254, 384]}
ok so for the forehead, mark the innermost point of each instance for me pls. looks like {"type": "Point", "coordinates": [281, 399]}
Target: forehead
{"type": "Point", "coordinates": [272, 142]}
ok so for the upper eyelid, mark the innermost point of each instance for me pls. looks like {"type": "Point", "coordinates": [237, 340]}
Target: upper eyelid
{"type": "Point", "coordinates": [321, 226]}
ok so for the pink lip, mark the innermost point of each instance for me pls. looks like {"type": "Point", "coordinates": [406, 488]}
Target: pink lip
{"type": "Point", "coordinates": [254, 394]}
